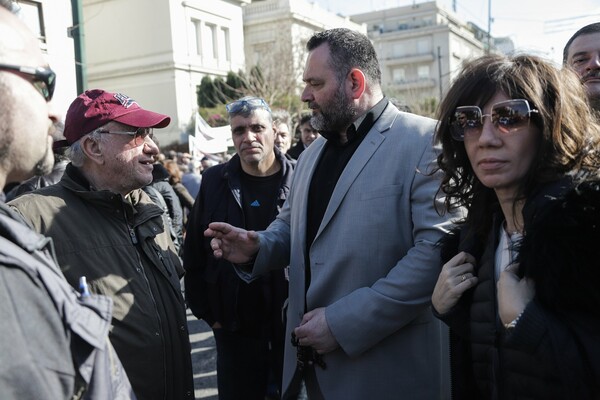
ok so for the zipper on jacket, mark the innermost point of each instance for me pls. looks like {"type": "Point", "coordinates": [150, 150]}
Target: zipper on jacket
{"type": "Point", "coordinates": [137, 249]}
{"type": "Point", "coordinates": [162, 260]}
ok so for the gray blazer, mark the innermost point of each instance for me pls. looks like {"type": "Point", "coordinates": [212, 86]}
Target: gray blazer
{"type": "Point", "coordinates": [374, 264]}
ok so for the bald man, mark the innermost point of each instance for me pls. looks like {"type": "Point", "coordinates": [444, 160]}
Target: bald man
{"type": "Point", "coordinates": [54, 341]}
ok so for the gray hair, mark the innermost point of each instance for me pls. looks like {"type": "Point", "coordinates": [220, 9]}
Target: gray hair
{"type": "Point", "coordinates": [281, 117]}
{"type": "Point", "coordinates": [76, 153]}
{"type": "Point", "coordinates": [246, 106]}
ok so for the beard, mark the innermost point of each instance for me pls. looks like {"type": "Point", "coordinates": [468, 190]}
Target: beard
{"type": "Point", "coordinates": [45, 165]}
{"type": "Point", "coordinates": [334, 116]}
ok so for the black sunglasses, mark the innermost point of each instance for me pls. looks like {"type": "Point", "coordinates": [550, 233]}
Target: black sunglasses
{"type": "Point", "coordinates": [42, 78]}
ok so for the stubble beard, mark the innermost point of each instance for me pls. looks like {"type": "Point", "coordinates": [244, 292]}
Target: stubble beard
{"type": "Point", "coordinates": [45, 165]}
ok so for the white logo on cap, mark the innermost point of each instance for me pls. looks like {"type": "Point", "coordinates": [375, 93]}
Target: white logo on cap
{"type": "Point", "coordinates": [125, 100]}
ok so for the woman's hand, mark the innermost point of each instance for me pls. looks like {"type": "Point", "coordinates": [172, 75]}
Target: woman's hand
{"type": "Point", "coordinates": [513, 294]}
{"type": "Point", "coordinates": [456, 277]}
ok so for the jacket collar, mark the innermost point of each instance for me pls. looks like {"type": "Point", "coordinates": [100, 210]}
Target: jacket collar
{"type": "Point", "coordinates": [14, 228]}
{"type": "Point", "coordinates": [136, 205]}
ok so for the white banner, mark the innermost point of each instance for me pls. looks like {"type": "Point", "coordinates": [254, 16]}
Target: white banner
{"type": "Point", "coordinates": [209, 140]}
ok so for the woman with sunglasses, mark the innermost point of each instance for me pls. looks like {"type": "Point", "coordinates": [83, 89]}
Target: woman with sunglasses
{"type": "Point", "coordinates": [518, 287]}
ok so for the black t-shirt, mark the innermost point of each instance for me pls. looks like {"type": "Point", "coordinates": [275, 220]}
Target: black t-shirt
{"type": "Point", "coordinates": [259, 197]}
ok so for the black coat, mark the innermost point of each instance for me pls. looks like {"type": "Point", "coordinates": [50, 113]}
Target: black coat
{"type": "Point", "coordinates": [214, 292]}
{"type": "Point", "coordinates": [554, 351]}
{"type": "Point", "coordinates": [296, 150]}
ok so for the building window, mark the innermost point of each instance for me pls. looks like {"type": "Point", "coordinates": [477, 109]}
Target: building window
{"type": "Point", "coordinates": [32, 14]}
{"type": "Point", "coordinates": [224, 46]}
{"type": "Point", "coordinates": [423, 46]}
{"type": "Point", "coordinates": [211, 40]}
{"type": "Point", "coordinates": [197, 36]}
{"type": "Point", "coordinates": [423, 72]}
{"type": "Point", "coordinates": [398, 75]}
{"type": "Point", "coordinates": [399, 50]}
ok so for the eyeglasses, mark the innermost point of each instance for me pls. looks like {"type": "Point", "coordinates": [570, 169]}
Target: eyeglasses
{"type": "Point", "coordinates": [42, 78]}
{"type": "Point", "coordinates": [246, 105]}
{"type": "Point", "coordinates": [139, 135]}
{"type": "Point", "coordinates": [507, 116]}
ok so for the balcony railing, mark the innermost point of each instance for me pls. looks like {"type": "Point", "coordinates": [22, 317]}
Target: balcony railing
{"type": "Point", "coordinates": [417, 83]}
{"type": "Point", "coordinates": [400, 27]}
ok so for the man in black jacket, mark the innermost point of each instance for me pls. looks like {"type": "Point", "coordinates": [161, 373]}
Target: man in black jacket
{"type": "Point", "coordinates": [247, 192]}
{"type": "Point", "coordinates": [308, 134]}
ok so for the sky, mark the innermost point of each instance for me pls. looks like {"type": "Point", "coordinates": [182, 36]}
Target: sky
{"type": "Point", "coordinates": [540, 26]}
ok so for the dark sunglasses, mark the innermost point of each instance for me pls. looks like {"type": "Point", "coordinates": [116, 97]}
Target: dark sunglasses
{"type": "Point", "coordinates": [42, 78]}
{"type": "Point", "coordinates": [139, 135]}
{"type": "Point", "coordinates": [507, 116]}
{"type": "Point", "coordinates": [245, 105]}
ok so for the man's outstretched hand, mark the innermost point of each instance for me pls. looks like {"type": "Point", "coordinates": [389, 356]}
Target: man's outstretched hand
{"type": "Point", "coordinates": [234, 244]}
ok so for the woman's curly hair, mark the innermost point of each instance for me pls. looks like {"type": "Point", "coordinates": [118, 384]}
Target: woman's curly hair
{"type": "Point", "coordinates": [570, 134]}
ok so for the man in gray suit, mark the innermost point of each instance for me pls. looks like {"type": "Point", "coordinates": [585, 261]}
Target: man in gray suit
{"type": "Point", "coordinates": [359, 230]}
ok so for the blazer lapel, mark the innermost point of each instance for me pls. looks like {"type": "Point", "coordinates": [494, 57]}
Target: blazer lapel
{"type": "Point", "coordinates": [359, 159]}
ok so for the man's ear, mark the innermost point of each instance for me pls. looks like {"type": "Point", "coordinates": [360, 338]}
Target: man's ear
{"type": "Point", "coordinates": [357, 82]}
{"type": "Point", "coordinates": [93, 150]}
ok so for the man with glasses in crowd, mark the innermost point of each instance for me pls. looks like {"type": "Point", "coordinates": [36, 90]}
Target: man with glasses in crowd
{"type": "Point", "coordinates": [107, 229]}
{"type": "Point", "coordinates": [582, 54]}
{"type": "Point", "coordinates": [54, 341]}
{"type": "Point", "coordinates": [247, 191]}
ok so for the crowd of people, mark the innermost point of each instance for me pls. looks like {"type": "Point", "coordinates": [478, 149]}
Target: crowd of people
{"type": "Point", "coordinates": [385, 255]}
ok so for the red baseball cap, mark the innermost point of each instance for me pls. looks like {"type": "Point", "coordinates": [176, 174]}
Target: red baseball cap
{"type": "Point", "coordinates": [95, 108]}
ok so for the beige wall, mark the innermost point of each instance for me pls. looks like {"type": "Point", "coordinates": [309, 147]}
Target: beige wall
{"type": "Point", "coordinates": [148, 50]}
{"type": "Point", "coordinates": [273, 27]}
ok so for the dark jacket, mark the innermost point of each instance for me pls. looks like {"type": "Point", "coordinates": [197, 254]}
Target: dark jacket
{"type": "Point", "coordinates": [214, 292]}
{"type": "Point", "coordinates": [54, 342]}
{"type": "Point", "coordinates": [554, 350]}
{"type": "Point", "coordinates": [123, 248]}
{"type": "Point", "coordinates": [37, 182]}
{"type": "Point", "coordinates": [185, 199]}
{"type": "Point", "coordinates": [160, 182]}
{"type": "Point", "coordinates": [296, 150]}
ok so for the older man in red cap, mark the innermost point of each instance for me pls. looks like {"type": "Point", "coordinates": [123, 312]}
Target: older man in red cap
{"type": "Point", "coordinates": [107, 229]}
